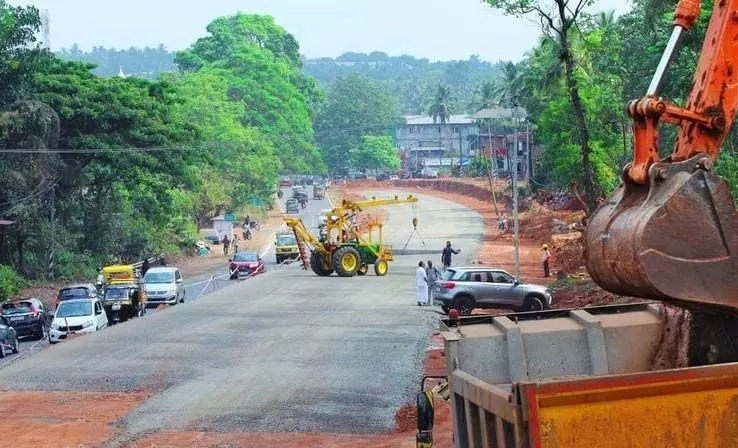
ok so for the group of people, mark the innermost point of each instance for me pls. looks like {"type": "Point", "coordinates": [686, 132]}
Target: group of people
{"type": "Point", "coordinates": [426, 275]}
{"type": "Point", "coordinates": [228, 242]}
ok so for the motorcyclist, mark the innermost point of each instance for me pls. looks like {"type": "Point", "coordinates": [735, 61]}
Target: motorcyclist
{"type": "Point", "coordinates": [247, 233]}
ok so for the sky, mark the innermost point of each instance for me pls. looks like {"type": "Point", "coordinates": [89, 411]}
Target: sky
{"type": "Point", "coordinates": [434, 29]}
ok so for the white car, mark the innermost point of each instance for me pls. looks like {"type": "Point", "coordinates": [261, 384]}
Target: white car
{"type": "Point", "coordinates": [77, 316]}
{"type": "Point", "coordinates": [429, 173]}
{"type": "Point", "coordinates": [164, 285]}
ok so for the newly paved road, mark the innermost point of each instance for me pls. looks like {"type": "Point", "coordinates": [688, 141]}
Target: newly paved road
{"type": "Point", "coordinates": [285, 351]}
{"type": "Point", "coordinates": [207, 282]}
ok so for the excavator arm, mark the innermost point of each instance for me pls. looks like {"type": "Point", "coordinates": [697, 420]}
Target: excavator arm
{"type": "Point", "coordinates": [670, 232]}
{"type": "Point", "coordinates": [360, 206]}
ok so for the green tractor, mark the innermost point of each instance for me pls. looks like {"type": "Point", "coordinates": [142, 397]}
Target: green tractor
{"type": "Point", "coordinates": [349, 259]}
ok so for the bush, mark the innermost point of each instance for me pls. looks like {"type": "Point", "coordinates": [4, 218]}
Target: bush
{"type": "Point", "coordinates": [10, 283]}
{"type": "Point", "coordinates": [74, 266]}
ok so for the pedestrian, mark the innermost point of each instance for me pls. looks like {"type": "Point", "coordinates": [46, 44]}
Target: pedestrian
{"type": "Point", "coordinates": [145, 267]}
{"type": "Point", "coordinates": [448, 251]}
{"type": "Point", "coordinates": [226, 243]}
{"type": "Point", "coordinates": [235, 243]}
{"type": "Point", "coordinates": [546, 257]}
{"type": "Point", "coordinates": [421, 284]}
{"type": "Point", "coordinates": [433, 274]}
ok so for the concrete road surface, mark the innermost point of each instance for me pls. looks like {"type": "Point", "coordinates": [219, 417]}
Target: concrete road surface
{"type": "Point", "coordinates": [201, 285]}
{"type": "Point", "coordinates": [285, 351]}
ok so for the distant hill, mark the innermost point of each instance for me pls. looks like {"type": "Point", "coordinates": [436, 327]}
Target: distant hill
{"type": "Point", "coordinates": [413, 80]}
{"type": "Point", "coordinates": [146, 62]}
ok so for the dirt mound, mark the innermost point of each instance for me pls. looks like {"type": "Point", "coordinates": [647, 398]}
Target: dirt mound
{"type": "Point", "coordinates": [568, 253]}
{"type": "Point", "coordinates": [579, 290]}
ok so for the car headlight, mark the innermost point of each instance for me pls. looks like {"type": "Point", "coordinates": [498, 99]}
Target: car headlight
{"type": "Point", "coordinates": [88, 324]}
{"type": "Point", "coordinates": [54, 326]}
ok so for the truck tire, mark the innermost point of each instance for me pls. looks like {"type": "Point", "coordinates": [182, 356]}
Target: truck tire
{"type": "Point", "coordinates": [534, 303]}
{"type": "Point", "coordinates": [346, 261]}
{"type": "Point", "coordinates": [464, 304]}
{"type": "Point", "coordinates": [279, 259]}
{"type": "Point", "coordinates": [380, 267]}
{"type": "Point", "coordinates": [363, 269]}
{"type": "Point", "coordinates": [317, 265]}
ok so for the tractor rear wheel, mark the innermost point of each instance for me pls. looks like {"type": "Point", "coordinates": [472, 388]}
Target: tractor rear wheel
{"type": "Point", "coordinates": [380, 267]}
{"type": "Point", "coordinates": [318, 265]}
{"type": "Point", "coordinates": [346, 261]}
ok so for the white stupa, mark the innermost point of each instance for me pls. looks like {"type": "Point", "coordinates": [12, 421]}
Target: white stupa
{"type": "Point", "coordinates": [120, 73]}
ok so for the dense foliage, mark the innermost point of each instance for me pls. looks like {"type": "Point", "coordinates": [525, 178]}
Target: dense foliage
{"type": "Point", "coordinates": [101, 169]}
{"type": "Point", "coordinates": [413, 81]}
{"type": "Point", "coordinates": [146, 63]}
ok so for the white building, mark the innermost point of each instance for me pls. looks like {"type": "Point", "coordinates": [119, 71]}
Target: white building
{"type": "Point", "coordinates": [432, 144]}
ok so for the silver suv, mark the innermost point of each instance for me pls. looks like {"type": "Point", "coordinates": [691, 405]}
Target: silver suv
{"type": "Point", "coordinates": [480, 287]}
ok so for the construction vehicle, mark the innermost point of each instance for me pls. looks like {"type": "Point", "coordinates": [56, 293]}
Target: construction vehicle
{"type": "Point", "coordinates": [670, 231]}
{"type": "Point", "coordinates": [627, 375]}
{"type": "Point", "coordinates": [343, 249]}
{"type": "Point", "coordinates": [124, 295]}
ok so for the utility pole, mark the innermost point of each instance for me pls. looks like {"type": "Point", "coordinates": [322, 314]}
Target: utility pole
{"type": "Point", "coordinates": [516, 216]}
{"type": "Point", "coordinates": [52, 251]}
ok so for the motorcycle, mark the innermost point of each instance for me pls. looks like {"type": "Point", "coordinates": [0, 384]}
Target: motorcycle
{"type": "Point", "coordinates": [303, 203]}
{"type": "Point", "coordinates": [280, 194]}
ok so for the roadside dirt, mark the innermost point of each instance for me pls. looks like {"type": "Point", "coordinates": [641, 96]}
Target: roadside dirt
{"type": "Point", "coordinates": [62, 419]}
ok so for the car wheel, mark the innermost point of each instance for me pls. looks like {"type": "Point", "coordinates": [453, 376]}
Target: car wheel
{"type": "Point", "coordinates": [2, 350]}
{"type": "Point", "coordinates": [41, 332]}
{"type": "Point", "coordinates": [534, 303]}
{"type": "Point", "coordinates": [15, 349]}
{"type": "Point", "coordinates": [234, 277]}
{"type": "Point", "coordinates": [184, 293]}
{"type": "Point", "coordinates": [464, 305]}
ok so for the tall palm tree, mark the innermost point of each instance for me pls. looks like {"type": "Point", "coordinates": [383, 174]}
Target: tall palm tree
{"type": "Point", "coordinates": [510, 84]}
{"type": "Point", "coordinates": [441, 112]}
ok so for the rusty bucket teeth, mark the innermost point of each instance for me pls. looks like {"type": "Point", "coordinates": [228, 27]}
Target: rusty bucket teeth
{"type": "Point", "coordinates": [674, 239]}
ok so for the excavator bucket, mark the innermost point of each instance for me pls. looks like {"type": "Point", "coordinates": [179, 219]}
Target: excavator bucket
{"type": "Point", "coordinates": [673, 239]}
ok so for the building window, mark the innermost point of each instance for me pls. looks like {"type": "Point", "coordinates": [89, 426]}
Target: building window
{"type": "Point", "coordinates": [411, 129]}
{"type": "Point", "coordinates": [439, 129]}
{"type": "Point", "coordinates": [456, 130]}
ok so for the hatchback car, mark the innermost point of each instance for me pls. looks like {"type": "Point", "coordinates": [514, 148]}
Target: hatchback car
{"type": "Point", "coordinates": [77, 316]}
{"type": "Point", "coordinates": [466, 288]}
{"type": "Point", "coordinates": [28, 317]}
{"type": "Point", "coordinates": [164, 285]}
{"type": "Point", "coordinates": [82, 291]}
{"type": "Point", "coordinates": [245, 263]}
{"type": "Point", "coordinates": [8, 338]}
{"type": "Point", "coordinates": [291, 206]}
{"type": "Point", "coordinates": [211, 235]}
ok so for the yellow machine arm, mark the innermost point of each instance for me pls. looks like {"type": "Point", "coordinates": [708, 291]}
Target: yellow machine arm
{"type": "Point", "coordinates": [358, 206]}
{"type": "Point", "coordinates": [303, 235]}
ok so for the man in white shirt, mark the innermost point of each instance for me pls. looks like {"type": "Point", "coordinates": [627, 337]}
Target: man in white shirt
{"type": "Point", "coordinates": [421, 285]}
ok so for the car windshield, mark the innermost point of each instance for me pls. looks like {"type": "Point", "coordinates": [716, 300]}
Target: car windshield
{"type": "Point", "coordinates": [448, 274]}
{"type": "Point", "coordinates": [286, 240]}
{"type": "Point", "coordinates": [74, 309]}
{"type": "Point", "coordinates": [117, 293]}
{"type": "Point", "coordinates": [73, 293]}
{"type": "Point", "coordinates": [12, 308]}
{"type": "Point", "coordinates": [159, 277]}
{"type": "Point", "coordinates": [245, 256]}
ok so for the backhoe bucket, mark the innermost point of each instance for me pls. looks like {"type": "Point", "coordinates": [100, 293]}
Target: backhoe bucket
{"type": "Point", "coordinates": [674, 239]}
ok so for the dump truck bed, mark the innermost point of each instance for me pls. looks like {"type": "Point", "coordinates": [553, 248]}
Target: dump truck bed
{"type": "Point", "coordinates": [603, 403]}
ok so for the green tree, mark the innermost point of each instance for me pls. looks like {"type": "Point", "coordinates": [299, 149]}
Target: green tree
{"type": "Point", "coordinates": [559, 19]}
{"type": "Point", "coordinates": [377, 153]}
{"type": "Point", "coordinates": [355, 107]}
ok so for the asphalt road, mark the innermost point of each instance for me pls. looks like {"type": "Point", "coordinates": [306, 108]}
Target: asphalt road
{"type": "Point", "coordinates": [286, 351]}
{"type": "Point", "coordinates": [203, 284]}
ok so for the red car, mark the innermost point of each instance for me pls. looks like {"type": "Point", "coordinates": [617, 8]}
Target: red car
{"type": "Point", "coordinates": [245, 263]}
{"type": "Point", "coordinates": [285, 182]}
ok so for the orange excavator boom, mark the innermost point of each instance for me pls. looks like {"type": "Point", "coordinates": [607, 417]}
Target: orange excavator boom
{"type": "Point", "coordinates": [670, 231]}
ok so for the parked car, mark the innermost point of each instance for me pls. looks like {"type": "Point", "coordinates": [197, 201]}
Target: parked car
{"type": "Point", "coordinates": [245, 263]}
{"type": "Point", "coordinates": [429, 173]}
{"type": "Point", "coordinates": [285, 181]}
{"type": "Point", "coordinates": [466, 288]}
{"type": "Point", "coordinates": [81, 291]}
{"type": "Point", "coordinates": [8, 337]}
{"type": "Point", "coordinates": [77, 316]}
{"type": "Point", "coordinates": [382, 177]}
{"type": "Point", "coordinates": [292, 206]}
{"type": "Point", "coordinates": [211, 235]}
{"type": "Point", "coordinates": [394, 177]}
{"type": "Point", "coordinates": [164, 285]}
{"type": "Point", "coordinates": [28, 317]}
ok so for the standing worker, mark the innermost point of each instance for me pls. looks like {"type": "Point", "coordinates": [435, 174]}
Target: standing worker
{"type": "Point", "coordinates": [421, 284]}
{"type": "Point", "coordinates": [546, 257]}
{"type": "Point", "coordinates": [235, 243]}
{"type": "Point", "coordinates": [448, 251]}
{"type": "Point", "coordinates": [432, 274]}
{"type": "Point", "coordinates": [226, 243]}
{"type": "Point", "coordinates": [144, 267]}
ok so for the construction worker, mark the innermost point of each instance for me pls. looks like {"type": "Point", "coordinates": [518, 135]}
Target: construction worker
{"type": "Point", "coordinates": [448, 251]}
{"type": "Point", "coordinates": [432, 274]}
{"type": "Point", "coordinates": [545, 258]}
{"type": "Point", "coordinates": [421, 285]}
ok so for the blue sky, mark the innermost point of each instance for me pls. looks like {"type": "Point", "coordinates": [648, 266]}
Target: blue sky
{"type": "Point", "coordinates": [435, 29]}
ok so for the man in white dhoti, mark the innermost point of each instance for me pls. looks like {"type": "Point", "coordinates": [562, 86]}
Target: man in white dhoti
{"type": "Point", "coordinates": [421, 284]}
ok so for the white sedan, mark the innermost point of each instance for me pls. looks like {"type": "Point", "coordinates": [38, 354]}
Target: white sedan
{"type": "Point", "coordinates": [78, 316]}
